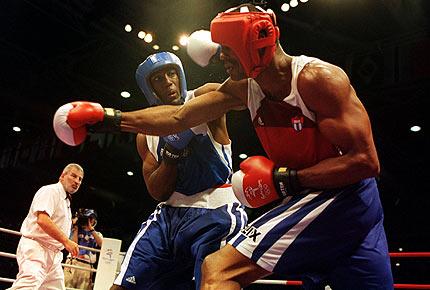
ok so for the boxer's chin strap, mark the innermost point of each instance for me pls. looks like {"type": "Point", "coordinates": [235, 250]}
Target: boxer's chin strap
{"type": "Point", "coordinates": [286, 181]}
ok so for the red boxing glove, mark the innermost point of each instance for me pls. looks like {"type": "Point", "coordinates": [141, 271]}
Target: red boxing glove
{"type": "Point", "coordinates": [84, 113]}
{"type": "Point", "coordinates": [253, 183]}
{"type": "Point", "coordinates": [71, 121]}
{"type": "Point", "coordinates": [258, 182]}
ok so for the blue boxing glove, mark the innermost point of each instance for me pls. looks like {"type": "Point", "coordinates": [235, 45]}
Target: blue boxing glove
{"type": "Point", "coordinates": [179, 140]}
{"type": "Point", "coordinates": [175, 145]}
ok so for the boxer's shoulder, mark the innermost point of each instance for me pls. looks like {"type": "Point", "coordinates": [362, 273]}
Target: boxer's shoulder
{"type": "Point", "coordinates": [321, 77]}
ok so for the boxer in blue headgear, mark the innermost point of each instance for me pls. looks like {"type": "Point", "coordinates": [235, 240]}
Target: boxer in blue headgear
{"type": "Point", "coordinates": [190, 172]}
{"type": "Point", "coordinates": [154, 63]}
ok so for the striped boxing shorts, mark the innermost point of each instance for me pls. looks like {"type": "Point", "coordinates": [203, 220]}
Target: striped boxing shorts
{"type": "Point", "coordinates": [172, 244]}
{"type": "Point", "coordinates": [333, 237]}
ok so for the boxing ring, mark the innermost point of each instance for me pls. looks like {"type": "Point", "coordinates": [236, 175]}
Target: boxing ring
{"type": "Point", "coordinates": [110, 260]}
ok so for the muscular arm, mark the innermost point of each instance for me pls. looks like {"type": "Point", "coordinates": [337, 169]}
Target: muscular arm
{"type": "Point", "coordinates": [45, 222]}
{"type": "Point", "coordinates": [164, 120]}
{"type": "Point", "coordinates": [342, 119]}
{"type": "Point", "coordinates": [160, 179]}
{"type": "Point", "coordinates": [218, 127]}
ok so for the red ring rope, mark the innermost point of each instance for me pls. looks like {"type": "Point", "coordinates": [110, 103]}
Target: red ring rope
{"type": "Point", "coordinates": [412, 286]}
{"type": "Point", "coordinates": [410, 255]}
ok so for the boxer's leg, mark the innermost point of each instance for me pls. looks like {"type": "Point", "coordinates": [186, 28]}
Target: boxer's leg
{"type": "Point", "coordinates": [148, 257]}
{"type": "Point", "coordinates": [229, 269]}
{"type": "Point", "coordinates": [216, 228]}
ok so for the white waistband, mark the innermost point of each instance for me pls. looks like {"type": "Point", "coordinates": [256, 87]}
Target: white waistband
{"type": "Point", "coordinates": [210, 198]}
{"type": "Point", "coordinates": [45, 245]}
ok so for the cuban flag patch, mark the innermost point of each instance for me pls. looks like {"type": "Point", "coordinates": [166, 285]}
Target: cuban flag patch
{"type": "Point", "coordinates": [297, 123]}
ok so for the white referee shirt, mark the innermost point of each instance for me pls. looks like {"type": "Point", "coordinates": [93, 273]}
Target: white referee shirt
{"type": "Point", "coordinates": [53, 200]}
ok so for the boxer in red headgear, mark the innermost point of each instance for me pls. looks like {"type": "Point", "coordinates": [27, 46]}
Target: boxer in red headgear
{"type": "Point", "coordinates": [252, 37]}
{"type": "Point", "coordinates": [322, 162]}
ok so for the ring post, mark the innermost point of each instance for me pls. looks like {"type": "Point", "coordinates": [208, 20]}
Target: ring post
{"type": "Point", "coordinates": [107, 265]}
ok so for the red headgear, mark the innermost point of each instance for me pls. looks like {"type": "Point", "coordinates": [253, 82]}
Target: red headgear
{"type": "Point", "coordinates": [245, 33]}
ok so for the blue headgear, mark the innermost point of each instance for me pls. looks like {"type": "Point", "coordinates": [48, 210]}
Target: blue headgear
{"type": "Point", "coordinates": [153, 63]}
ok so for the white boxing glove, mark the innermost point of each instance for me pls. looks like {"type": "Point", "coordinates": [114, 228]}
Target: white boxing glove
{"type": "Point", "coordinates": [72, 120]}
{"type": "Point", "coordinates": [201, 48]}
{"type": "Point", "coordinates": [63, 130]}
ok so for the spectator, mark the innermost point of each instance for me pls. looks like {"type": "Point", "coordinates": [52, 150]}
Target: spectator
{"type": "Point", "coordinates": [84, 234]}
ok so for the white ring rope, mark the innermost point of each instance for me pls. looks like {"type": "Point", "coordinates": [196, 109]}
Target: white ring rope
{"type": "Point", "coordinates": [7, 280]}
{"type": "Point", "coordinates": [19, 234]}
{"type": "Point", "coordinates": [7, 255]}
{"type": "Point", "coordinates": [13, 256]}
{"type": "Point", "coordinates": [10, 231]}
{"type": "Point", "coordinates": [271, 282]}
